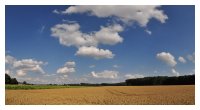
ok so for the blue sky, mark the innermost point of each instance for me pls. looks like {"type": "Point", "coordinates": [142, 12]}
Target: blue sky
{"type": "Point", "coordinates": [131, 41]}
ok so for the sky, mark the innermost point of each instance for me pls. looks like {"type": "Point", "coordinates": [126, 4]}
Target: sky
{"type": "Point", "coordinates": [96, 44]}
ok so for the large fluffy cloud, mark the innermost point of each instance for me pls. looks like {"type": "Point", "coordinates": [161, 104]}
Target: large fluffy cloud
{"type": "Point", "coordinates": [105, 74]}
{"type": "Point", "coordinates": [26, 63]}
{"type": "Point", "coordinates": [69, 67]}
{"type": "Point", "coordinates": [94, 52]}
{"type": "Point", "coordinates": [25, 66]}
{"type": "Point", "coordinates": [140, 14]}
{"type": "Point", "coordinates": [70, 35]}
{"type": "Point", "coordinates": [167, 58]}
{"type": "Point", "coordinates": [109, 35]}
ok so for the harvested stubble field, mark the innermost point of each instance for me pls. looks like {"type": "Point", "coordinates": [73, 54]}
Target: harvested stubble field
{"type": "Point", "coordinates": [109, 95]}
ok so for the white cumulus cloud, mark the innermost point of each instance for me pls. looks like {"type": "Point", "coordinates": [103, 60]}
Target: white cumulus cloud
{"type": "Point", "coordinates": [94, 52]}
{"type": "Point", "coordinates": [167, 58]}
{"type": "Point", "coordinates": [175, 72]}
{"type": "Point", "coordinates": [69, 67]}
{"type": "Point", "coordinates": [181, 59]}
{"type": "Point", "coordinates": [28, 65]}
{"type": "Point", "coordinates": [21, 73]}
{"type": "Point", "coordinates": [70, 35]}
{"type": "Point", "coordinates": [140, 14]}
{"type": "Point", "coordinates": [65, 70]}
{"type": "Point", "coordinates": [109, 35]}
{"type": "Point", "coordinates": [25, 66]}
{"type": "Point", "coordinates": [105, 74]}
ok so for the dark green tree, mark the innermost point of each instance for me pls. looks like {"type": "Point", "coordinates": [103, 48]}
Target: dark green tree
{"type": "Point", "coordinates": [14, 81]}
{"type": "Point", "coordinates": [7, 79]}
{"type": "Point", "coordinates": [24, 82]}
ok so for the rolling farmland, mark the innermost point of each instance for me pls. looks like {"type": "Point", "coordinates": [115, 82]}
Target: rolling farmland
{"type": "Point", "coordinates": [106, 95]}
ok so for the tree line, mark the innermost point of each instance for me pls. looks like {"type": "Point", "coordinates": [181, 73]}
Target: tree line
{"type": "Point", "coordinates": [9, 80]}
{"type": "Point", "coordinates": [98, 84]}
{"type": "Point", "coordinates": [162, 80]}
{"type": "Point", "coordinates": [157, 80]}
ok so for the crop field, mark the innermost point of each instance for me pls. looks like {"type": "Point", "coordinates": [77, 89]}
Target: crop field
{"type": "Point", "coordinates": [107, 95]}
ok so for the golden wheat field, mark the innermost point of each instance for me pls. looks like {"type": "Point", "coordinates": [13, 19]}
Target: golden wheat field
{"type": "Point", "coordinates": [110, 95]}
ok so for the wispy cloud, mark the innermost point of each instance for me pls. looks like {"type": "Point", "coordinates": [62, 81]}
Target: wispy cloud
{"type": "Point", "coordinates": [116, 66]}
{"type": "Point", "coordinates": [132, 76]}
{"type": "Point", "coordinates": [42, 29]}
{"type": "Point", "coordinates": [105, 74]}
{"type": "Point", "coordinates": [92, 66]}
{"type": "Point", "coordinates": [148, 31]}
{"type": "Point", "coordinates": [56, 11]}
{"type": "Point", "coordinates": [69, 21]}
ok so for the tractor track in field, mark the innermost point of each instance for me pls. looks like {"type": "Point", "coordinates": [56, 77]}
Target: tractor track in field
{"type": "Point", "coordinates": [120, 93]}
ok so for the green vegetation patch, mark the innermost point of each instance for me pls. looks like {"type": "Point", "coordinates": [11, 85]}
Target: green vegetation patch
{"type": "Point", "coordinates": [27, 87]}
